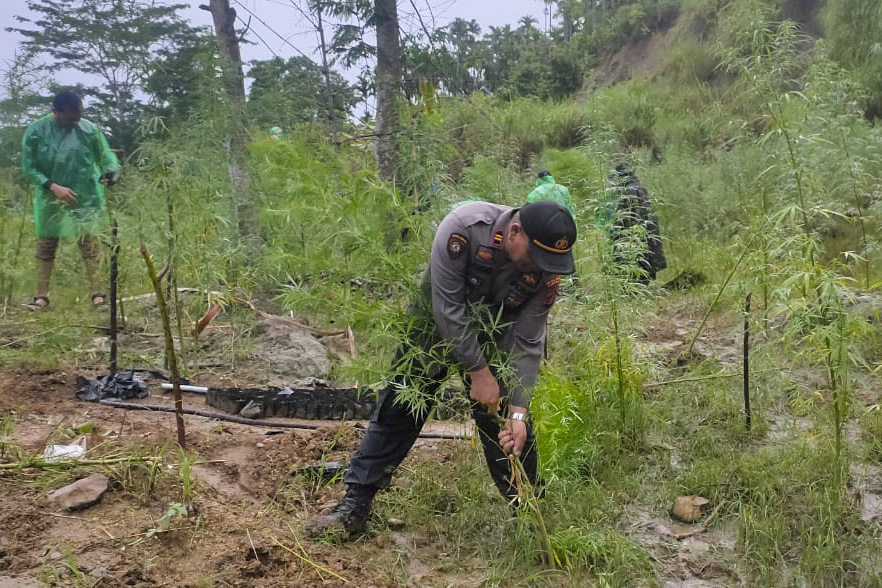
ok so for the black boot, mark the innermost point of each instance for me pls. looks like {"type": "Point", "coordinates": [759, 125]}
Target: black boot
{"type": "Point", "coordinates": [348, 518]}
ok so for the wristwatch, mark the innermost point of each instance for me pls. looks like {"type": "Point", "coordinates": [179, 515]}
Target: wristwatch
{"type": "Point", "coordinates": [517, 416]}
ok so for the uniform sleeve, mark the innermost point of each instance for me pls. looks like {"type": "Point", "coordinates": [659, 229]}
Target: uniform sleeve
{"type": "Point", "coordinates": [105, 158]}
{"type": "Point", "coordinates": [526, 342]}
{"type": "Point", "coordinates": [29, 165]}
{"type": "Point", "coordinates": [448, 269]}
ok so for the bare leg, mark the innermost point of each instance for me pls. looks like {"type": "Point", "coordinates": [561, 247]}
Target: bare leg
{"type": "Point", "coordinates": [46, 247]}
{"type": "Point", "coordinates": [89, 252]}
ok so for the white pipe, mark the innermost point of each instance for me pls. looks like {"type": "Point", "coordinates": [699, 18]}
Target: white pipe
{"type": "Point", "coordinates": [186, 388]}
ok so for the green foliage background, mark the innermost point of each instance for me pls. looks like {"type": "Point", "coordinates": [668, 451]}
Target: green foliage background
{"type": "Point", "coordinates": [758, 139]}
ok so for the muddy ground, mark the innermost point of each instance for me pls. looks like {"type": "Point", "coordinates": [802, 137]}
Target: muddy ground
{"type": "Point", "coordinates": [251, 497]}
{"type": "Point", "coordinates": [242, 508]}
{"type": "Point", "coordinates": [245, 505]}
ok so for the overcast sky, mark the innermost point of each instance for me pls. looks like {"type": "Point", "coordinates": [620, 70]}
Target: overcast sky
{"type": "Point", "coordinates": [284, 21]}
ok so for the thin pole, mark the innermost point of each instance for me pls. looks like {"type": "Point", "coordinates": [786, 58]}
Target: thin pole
{"type": "Point", "coordinates": [114, 257]}
{"type": "Point", "coordinates": [746, 368]}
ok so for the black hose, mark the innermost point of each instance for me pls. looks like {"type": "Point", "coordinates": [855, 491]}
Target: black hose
{"type": "Point", "coordinates": [243, 420]}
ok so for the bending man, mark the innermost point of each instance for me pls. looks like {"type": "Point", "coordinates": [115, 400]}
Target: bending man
{"type": "Point", "coordinates": [485, 259]}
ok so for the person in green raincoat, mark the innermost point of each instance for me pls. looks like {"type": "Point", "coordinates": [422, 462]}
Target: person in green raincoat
{"type": "Point", "coordinates": [547, 189]}
{"type": "Point", "coordinates": [66, 159]}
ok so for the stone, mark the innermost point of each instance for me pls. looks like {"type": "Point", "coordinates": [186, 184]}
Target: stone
{"type": "Point", "coordinates": [689, 509]}
{"type": "Point", "coordinates": [290, 353]}
{"type": "Point", "coordinates": [871, 507]}
{"type": "Point", "coordinates": [81, 494]}
{"type": "Point", "coordinates": [866, 305]}
{"type": "Point", "coordinates": [395, 524]}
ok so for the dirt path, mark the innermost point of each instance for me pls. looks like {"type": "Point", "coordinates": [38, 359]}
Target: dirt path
{"type": "Point", "coordinates": [243, 507]}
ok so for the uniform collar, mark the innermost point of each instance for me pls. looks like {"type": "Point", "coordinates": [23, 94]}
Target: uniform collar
{"type": "Point", "coordinates": [501, 224]}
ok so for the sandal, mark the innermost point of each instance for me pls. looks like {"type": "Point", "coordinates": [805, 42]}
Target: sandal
{"type": "Point", "coordinates": [101, 302]}
{"type": "Point", "coordinates": [38, 303]}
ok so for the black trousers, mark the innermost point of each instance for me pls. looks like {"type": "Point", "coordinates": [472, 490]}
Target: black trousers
{"type": "Point", "coordinates": [394, 429]}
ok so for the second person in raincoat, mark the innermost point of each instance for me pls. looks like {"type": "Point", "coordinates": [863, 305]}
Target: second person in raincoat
{"type": "Point", "coordinates": [66, 158]}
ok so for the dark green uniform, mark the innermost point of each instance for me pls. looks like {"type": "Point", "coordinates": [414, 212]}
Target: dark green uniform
{"type": "Point", "coordinates": [634, 209]}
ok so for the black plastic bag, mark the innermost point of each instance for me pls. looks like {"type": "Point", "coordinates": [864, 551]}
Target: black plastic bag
{"type": "Point", "coordinates": [122, 385]}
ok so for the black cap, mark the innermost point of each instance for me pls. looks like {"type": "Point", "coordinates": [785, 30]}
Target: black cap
{"type": "Point", "coordinates": [551, 232]}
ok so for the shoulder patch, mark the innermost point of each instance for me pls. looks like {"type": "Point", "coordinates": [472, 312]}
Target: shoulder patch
{"type": "Point", "coordinates": [552, 285]}
{"type": "Point", "coordinates": [498, 238]}
{"type": "Point", "coordinates": [456, 244]}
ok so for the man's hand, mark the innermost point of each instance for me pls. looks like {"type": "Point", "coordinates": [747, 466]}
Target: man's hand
{"type": "Point", "coordinates": [514, 434]}
{"type": "Point", "coordinates": [64, 194]}
{"type": "Point", "coordinates": [485, 389]}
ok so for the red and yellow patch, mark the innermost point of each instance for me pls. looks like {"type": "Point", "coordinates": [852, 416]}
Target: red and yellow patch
{"type": "Point", "coordinates": [552, 285]}
{"type": "Point", "coordinates": [498, 238]}
{"type": "Point", "coordinates": [456, 244]}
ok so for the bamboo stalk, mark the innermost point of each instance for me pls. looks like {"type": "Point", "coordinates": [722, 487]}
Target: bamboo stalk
{"type": "Point", "coordinates": [746, 367]}
{"type": "Point", "coordinates": [42, 464]}
{"type": "Point", "coordinates": [723, 288]}
{"type": "Point", "coordinates": [169, 346]}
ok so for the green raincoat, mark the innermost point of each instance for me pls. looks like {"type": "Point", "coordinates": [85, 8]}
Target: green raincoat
{"type": "Point", "coordinates": [546, 189]}
{"type": "Point", "coordinates": [76, 158]}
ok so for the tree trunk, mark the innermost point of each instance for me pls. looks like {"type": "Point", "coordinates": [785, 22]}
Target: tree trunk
{"type": "Point", "coordinates": [326, 72]}
{"type": "Point", "coordinates": [224, 18]}
{"type": "Point", "coordinates": [388, 82]}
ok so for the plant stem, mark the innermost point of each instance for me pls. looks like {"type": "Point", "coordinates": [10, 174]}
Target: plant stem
{"type": "Point", "coordinates": [797, 173]}
{"type": "Point", "coordinates": [320, 568]}
{"type": "Point", "coordinates": [857, 203]}
{"type": "Point", "coordinates": [169, 345]}
{"type": "Point", "coordinates": [42, 464]}
{"type": "Point", "coordinates": [620, 376]}
{"type": "Point", "coordinates": [723, 289]}
{"type": "Point", "coordinates": [746, 367]}
{"type": "Point", "coordinates": [525, 491]}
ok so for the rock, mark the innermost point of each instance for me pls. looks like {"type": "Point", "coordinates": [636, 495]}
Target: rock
{"type": "Point", "coordinates": [327, 507]}
{"type": "Point", "coordinates": [871, 507]}
{"type": "Point", "coordinates": [81, 494]}
{"type": "Point", "coordinates": [395, 524]}
{"type": "Point", "coordinates": [866, 305]}
{"type": "Point", "coordinates": [291, 353]}
{"type": "Point", "coordinates": [260, 445]}
{"type": "Point", "coordinates": [686, 280]}
{"type": "Point", "coordinates": [252, 410]}
{"type": "Point", "coordinates": [689, 509]}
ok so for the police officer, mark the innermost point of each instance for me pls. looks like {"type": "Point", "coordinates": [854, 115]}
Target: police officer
{"type": "Point", "coordinates": [485, 258]}
{"type": "Point", "coordinates": [634, 209]}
